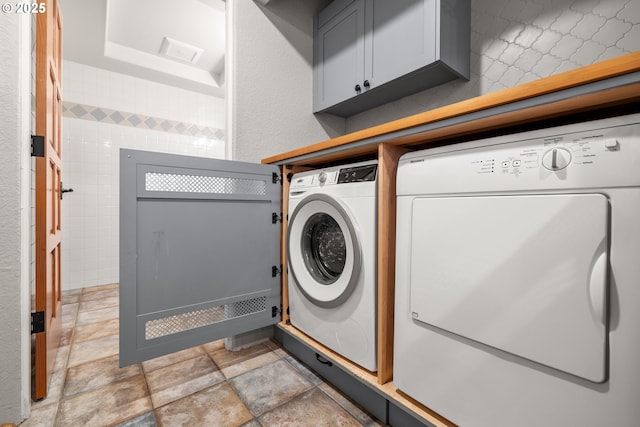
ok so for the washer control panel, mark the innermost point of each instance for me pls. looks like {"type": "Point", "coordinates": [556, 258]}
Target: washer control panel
{"type": "Point", "coordinates": [358, 174]}
{"type": "Point", "coordinates": [355, 173]}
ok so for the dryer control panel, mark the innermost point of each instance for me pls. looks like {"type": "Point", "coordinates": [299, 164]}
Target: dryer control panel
{"type": "Point", "coordinates": [558, 152]}
{"type": "Point", "coordinates": [601, 153]}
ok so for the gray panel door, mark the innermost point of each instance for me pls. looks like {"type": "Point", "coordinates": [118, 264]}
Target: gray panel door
{"type": "Point", "coordinates": [197, 249]}
{"type": "Point", "coordinates": [339, 62]}
{"type": "Point", "coordinates": [401, 37]}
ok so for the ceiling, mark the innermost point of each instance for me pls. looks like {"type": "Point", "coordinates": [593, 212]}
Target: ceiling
{"type": "Point", "coordinates": [126, 36]}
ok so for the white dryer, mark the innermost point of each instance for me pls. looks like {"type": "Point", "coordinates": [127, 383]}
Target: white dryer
{"type": "Point", "coordinates": [517, 277]}
{"type": "Point", "coordinates": [331, 247]}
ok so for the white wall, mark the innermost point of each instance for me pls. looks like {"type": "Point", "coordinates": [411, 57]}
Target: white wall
{"type": "Point", "coordinates": [104, 111]}
{"type": "Point", "coordinates": [270, 78]}
{"type": "Point", "coordinates": [15, 37]}
{"type": "Point", "coordinates": [517, 41]}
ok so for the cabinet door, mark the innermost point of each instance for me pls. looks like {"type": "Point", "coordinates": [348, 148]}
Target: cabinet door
{"type": "Point", "coordinates": [199, 251]}
{"type": "Point", "coordinates": [401, 37]}
{"type": "Point", "coordinates": [339, 56]}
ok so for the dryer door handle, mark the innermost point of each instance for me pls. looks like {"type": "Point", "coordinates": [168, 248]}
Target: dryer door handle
{"type": "Point", "coordinates": [597, 287]}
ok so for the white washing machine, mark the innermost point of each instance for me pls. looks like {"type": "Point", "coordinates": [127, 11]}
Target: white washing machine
{"type": "Point", "coordinates": [518, 277]}
{"type": "Point", "coordinates": [332, 258]}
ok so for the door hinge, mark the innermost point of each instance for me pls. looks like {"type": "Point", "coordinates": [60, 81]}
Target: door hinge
{"type": "Point", "coordinates": [275, 270]}
{"type": "Point", "coordinates": [37, 146]}
{"type": "Point", "coordinates": [275, 178]}
{"type": "Point", "coordinates": [275, 218]}
{"type": "Point", "coordinates": [37, 322]}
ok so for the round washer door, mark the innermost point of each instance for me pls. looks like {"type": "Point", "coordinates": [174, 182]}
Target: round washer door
{"type": "Point", "coordinates": [324, 250]}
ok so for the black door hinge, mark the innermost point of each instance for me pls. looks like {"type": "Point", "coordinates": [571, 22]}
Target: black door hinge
{"type": "Point", "coordinates": [37, 322]}
{"type": "Point", "coordinates": [37, 146]}
{"type": "Point", "coordinates": [275, 270]}
{"type": "Point", "coordinates": [275, 178]}
{"type": "Point", "coordinates": [275, 218]}
{"type": "Point", "coordinates": [274, 311]}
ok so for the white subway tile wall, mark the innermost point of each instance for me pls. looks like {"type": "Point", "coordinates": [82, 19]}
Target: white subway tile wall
{"type": "Point", "coordinates": [517, 41]}
{"type": "Point", "coordinates": [156, 117]}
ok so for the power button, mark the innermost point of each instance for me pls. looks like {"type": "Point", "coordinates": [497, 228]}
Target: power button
{"type": "Point", "coordinates": [611, 144]}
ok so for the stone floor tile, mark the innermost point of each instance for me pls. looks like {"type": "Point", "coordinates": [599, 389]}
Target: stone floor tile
{"type": "Point", "coordinates": [71, 297]}
{"type": "Point", "coordinates": [42, 416]}
{"type": "Point", "coordinates": [93, 316]}
{"type": "Point", "coordinates": [105, 406]}
{"type": "Point", "coordinates": [249, 364]}
{"type": "Point", "coordinates": [65, 336]}
{"type": "Point", "coordinates": [96, 330]}
{"type": "Point", "coordinates": [313, 408]}
{"type": "Point", "coordinates": [234, 363]}
{"type": "Point", "coordinates": [269, 386]}
{"type": "Point", "coordinates": [97, 304]}
{"type": "Point", "coordinates": [93, 375]}
{"type": "Point", "coordinates": [215, 406]}
{"type": "Point", "coordinates": [276, 347]}
{"type": "Point", "coordinates": [213, 346]}
{"type": "Point", "coordinates": [69, 315]}
{"type": "Point", "coordinates": [351, 407]}
{"type": "Point", "coordinates": [88, 351]}
{"type": "Point", "coordinates": [99, 295]}
{"type": "Point", "coordinates": [224, 357]}
{"type": "Point", "coordinates": [309, 374]}
{"type": "Point", "coordinates": [144, 420]}
{"type": "Point", "coordinates": [88, 387]}
{"type": "Point", "coordinates": [170, 359]}
{"type": "Point", "coordinates": [91, 289]}
{"type": "Point", "coordinates": [181, 379]}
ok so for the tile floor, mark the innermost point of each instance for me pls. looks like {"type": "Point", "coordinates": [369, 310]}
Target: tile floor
{"type": "Point", "coordinates": [203, 386]}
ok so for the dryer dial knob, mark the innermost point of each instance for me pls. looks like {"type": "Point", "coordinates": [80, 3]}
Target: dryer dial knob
{"type": "Point", "coordinates": [556, 159]}
{"type": "Point", "coordinates": [322, 177]}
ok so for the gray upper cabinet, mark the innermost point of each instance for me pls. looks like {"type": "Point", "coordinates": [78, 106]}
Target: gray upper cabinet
{"type": "Point", "coordinates": [370, 52]}
{"type": "Point", "coordinates": [339, 41]}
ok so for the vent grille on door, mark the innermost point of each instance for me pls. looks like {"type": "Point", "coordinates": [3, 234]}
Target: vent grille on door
{"type": "Point", "coordinates": [155, 181]}
{"type": "Point", "coordinates": [186, 321]}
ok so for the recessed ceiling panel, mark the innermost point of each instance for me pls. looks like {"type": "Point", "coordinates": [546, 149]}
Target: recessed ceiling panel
{"type": "Point", "coordinates": [127, 37]}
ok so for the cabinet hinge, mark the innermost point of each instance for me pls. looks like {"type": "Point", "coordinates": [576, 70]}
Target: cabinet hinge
{"type": "Point", "coordinates": [275, 270]}
{"type": "Point", "coordinates": [275, 178]}
{"type": "Point", "coordinates": [275, 310]}
{"type": "Point", "coordinates": [275, 218]}
{"type": "Point", "coordinates": [37, 146]}
{"type": "Point", "coordinates": [37, 322]}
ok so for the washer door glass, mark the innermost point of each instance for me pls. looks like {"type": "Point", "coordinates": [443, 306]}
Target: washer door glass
{"type": "Point", "coordinates": [323, 248]}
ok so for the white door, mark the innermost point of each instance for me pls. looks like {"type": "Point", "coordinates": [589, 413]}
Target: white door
{"type": "Point", "coordinates": [523, 274]}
